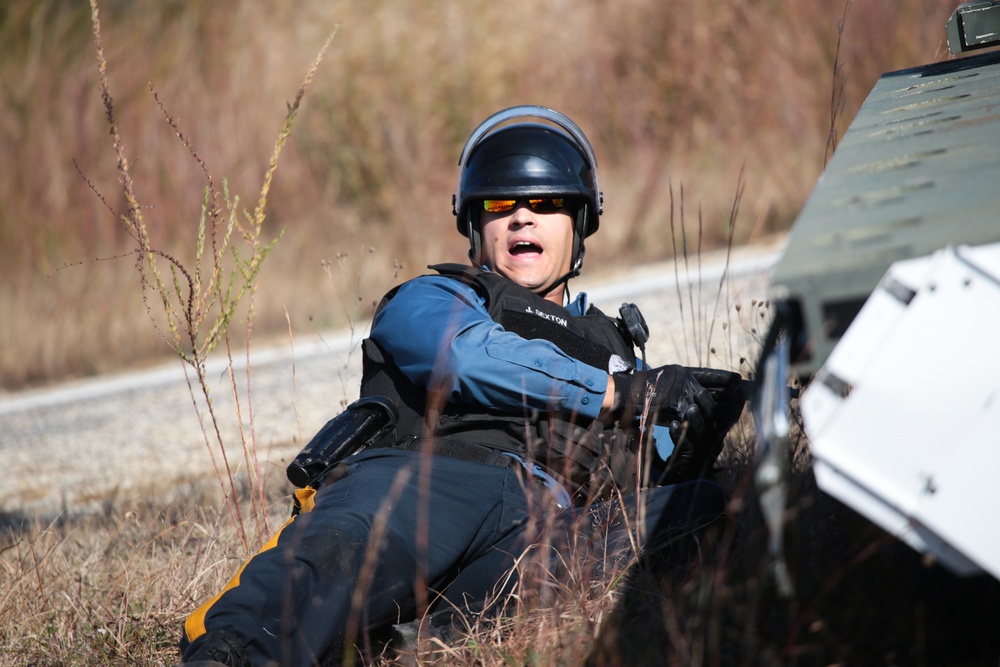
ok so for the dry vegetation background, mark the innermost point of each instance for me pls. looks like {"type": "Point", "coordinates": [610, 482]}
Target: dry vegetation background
{"type": "Point", "coordinates": [679, 93]}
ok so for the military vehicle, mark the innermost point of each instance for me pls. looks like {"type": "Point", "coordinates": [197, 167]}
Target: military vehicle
{"type": "Point", "coordinates": [887, 306]}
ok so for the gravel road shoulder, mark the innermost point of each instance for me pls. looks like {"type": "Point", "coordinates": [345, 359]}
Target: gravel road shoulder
{"type": "Point", "coordinates": [73, 446]}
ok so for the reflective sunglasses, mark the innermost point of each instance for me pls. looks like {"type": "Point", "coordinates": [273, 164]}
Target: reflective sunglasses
{"type": "Point", "coordinates": [541, 205]}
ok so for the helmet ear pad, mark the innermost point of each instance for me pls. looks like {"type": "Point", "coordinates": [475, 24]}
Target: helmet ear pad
{"type": "Point", "coordinates": [475, 235]}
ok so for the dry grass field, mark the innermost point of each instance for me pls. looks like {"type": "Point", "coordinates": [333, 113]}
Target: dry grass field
{"type": "Point", "coordinates": [679, 96]}
{"type": "Point", "coordinates": [114, 589]}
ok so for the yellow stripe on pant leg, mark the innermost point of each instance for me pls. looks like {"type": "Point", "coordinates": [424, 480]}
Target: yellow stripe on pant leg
{"type": "Point", "coordinates": [194, 626]}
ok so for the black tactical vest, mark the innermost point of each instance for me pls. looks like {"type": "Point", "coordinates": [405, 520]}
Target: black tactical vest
{"type": "Point", "coordinates": [589, 457]}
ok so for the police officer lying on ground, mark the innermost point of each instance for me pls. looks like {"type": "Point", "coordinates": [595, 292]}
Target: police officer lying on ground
{"type": "Point", "coordinates": [513, 401]}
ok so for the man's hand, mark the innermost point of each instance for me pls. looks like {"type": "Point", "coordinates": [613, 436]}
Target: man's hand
{"type": "Point", "coordinates": [674, 398]}
{"type": "Point", "coordinates": [698, 405]}
{"type": "Point", "coordinates": [728, 390]}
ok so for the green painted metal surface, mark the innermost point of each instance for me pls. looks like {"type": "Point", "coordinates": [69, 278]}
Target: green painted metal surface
{"type": "Point", "coordinates": [917, 170]}
{"type": "Point", "coordinates": [974, 25]}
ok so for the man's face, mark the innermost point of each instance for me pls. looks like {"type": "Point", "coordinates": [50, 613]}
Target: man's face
{"type": "Point", "coordinates": [534, 249]}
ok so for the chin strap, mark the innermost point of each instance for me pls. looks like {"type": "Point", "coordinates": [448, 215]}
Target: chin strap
{"type": "Point", "coordinates": [565, 278]}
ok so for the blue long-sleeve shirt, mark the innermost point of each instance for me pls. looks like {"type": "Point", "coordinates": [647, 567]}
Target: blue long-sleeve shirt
{"type": "Point", "coordinates": [440, 334]}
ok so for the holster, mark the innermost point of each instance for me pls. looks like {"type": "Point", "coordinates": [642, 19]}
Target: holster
{"type": "Point", "coordinates": [347, 433]}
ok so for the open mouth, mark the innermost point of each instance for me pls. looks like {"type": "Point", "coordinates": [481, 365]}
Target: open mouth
{"type": "Point", "coordinates": [524, 248]}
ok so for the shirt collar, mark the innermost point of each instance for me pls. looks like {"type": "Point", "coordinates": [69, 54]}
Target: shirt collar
{"type": "Point", "coordinates": [580, 305]}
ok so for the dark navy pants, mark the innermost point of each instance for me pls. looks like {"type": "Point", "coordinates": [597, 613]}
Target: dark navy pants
{"type": "Point", "coordinates": [401, 533]}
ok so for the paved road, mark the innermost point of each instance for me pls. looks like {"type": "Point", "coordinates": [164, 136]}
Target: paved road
{"type": "Point", "coordinates": [72, 447]}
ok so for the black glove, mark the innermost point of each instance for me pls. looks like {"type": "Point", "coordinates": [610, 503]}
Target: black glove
{"type": "Point", "coordinates": [698, 405]}
{"type": "Point", "coordinates": [675, 399]}
{"type": "Point", "coordinates": [730, 393]}
{"type": "Point", "coordinates": [694, 458]}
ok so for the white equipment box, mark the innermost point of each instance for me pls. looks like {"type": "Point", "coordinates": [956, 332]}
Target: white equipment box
{"type": "Point", "coordinates": [903, 418]}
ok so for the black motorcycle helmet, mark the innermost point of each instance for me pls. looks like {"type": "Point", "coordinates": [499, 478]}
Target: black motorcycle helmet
{"type": "Point", "coordinates": [528, 159]}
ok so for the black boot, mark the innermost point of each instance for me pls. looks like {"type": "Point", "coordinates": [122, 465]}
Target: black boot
{"type": "Point", "coordinates": [217, 648]}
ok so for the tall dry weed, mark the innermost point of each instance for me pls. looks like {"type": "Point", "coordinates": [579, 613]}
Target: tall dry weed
{"type": "Point", "coordinates": [193, 302]}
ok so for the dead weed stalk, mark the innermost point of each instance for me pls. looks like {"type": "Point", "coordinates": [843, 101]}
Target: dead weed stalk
{"type": "Point", "coordinates": [200, 300]}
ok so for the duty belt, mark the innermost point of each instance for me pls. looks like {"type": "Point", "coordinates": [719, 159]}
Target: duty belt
{"type": "Point", "coordinates": [489, 456]}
